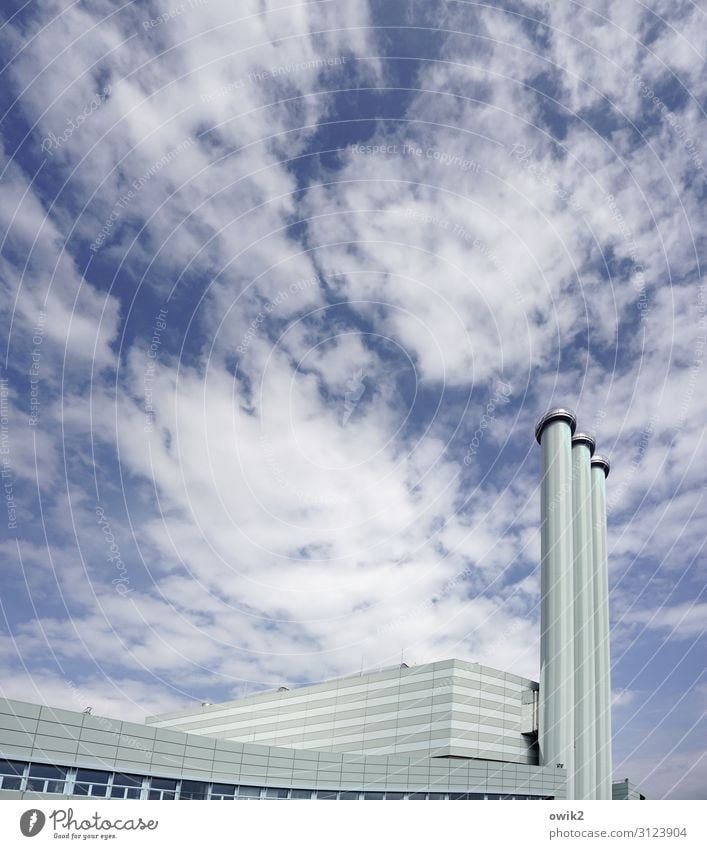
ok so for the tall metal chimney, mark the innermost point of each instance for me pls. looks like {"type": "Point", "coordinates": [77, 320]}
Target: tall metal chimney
{"type": "Point", "coordinates": [584, 652]}
{"type": "Point", "coordinates": [556, 706]}
{"type": "Point", "coordinates": [600, 471]}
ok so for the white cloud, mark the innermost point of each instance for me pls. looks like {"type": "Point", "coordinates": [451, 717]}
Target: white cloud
{"type": "Point", "coordinates": [292, 507]}
{"type": "Point", "coordinates": [683, 621]}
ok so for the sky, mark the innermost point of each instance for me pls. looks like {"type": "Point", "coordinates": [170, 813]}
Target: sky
{"type": "Point", "coordinates": [286, 286]}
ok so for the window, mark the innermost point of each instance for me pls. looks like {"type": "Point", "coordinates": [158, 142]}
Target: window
{"type": "Point", "coordinates": [11, 774]}
{"type": "Point", "coordinates": [277, 793]}
{"type": "Point", "coordinates": [417, 796]}
{"type": "Point", "coordinates": [46, 779]}
{"type": "Point", "coordinates": [163, 788]}
{"type": "Point", "coordinates": [301, 794]}
{"type": "Point", "coordinates": [126, 786]}
{"type": "Point", "coordinates": [91, 782]}
{"type": "Point", "coordinates": [394, 795]}
{"type": "Point", "coordinates": [327, 794]}
{"type": "Point", "coordinates": [193, 789]}
{"type": "Point", "coordinates": [247, 792]}
{"type": "Point", "coordinates": [437, 796]}
{"type": "Point", "coordinates": [223, 791]}
{"type": "Point", "coordinates": [349, 794]}
{"type": "Point", "coordinates": [466, 796]}
{"type": "Point", "coordinates": [372, 795]}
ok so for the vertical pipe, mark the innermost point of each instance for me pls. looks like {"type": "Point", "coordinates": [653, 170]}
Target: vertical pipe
{"type": "Point", "coordinates": [584, 654]}
{"type": "Point", "coordinates": [600, 471]}
{"type": "Point", "coordinates": [556, 714]}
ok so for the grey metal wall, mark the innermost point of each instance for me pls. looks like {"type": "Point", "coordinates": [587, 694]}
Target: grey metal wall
{"type": "Point", "coordinates": [39, 734]}
{"type": "Point", "coordinates": [446, 708]}
{"type": "Point", "coordinates": [626, 790]}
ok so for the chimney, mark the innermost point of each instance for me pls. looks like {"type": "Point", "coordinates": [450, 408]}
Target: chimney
{"type": "Point", "coordinates": [599, 472]}
{"type": "Point", "coordinates": [584, 653]}
{"type": "Point", "coordinates": [556, 709]}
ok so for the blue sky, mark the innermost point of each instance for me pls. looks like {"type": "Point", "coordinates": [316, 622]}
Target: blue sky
{"type": "Point", "coordinates": [266, 271]}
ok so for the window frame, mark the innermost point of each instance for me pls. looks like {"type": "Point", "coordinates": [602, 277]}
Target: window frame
{"type": "Point", "coordinates": [172, 794]}
{"type": "Point", "coordinates": [193, 781]}
{"type": "Point", "coordinates": [20, 777]}
{"type": "Point", "coordinates": [118, 785]}
{"type": "Point", "coordinates": [49, 781]}
{"type": "Point", "coordinates": [76, 782]}
{"type": "Point", "coordinates": [221, 795]}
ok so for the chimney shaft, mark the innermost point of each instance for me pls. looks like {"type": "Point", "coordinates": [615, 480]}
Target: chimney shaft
{"type": "Point", "coordinates": [556, 710]}
{"type": "Point", "coordinates": [584, 653]}
{"type": "Point", "coordinates": [600, 471]}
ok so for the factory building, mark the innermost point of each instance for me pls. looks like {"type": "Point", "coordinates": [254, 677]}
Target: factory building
{"type": "Point", "coordinates": [449, 730]}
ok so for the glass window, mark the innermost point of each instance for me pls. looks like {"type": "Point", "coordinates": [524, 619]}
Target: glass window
{"type": "Point", "coordinates": [372, 795]}
{"type": "Point", "coordinates": [417, 796]}
{"type": "Point", "coordinates": [301, 794]}
{"type": "Point", "coordinates": [12, 767]}
{"type": "Point", "coordinates": [466, 796]}
{"type": "Point", "coordinates": [91, 782]}
{"type": "Point", "coordinates": [394, 795]}
{"type": "Point", "coordinates": [46, 779]}
{"type": "Point", "coordinates": [436, 796]}
{"type": "Point", "coordinates": [248, 792]}
{"type": "Point", "coordinates": [223, 791]}
{"type": "Point", "coordinates": [494, 796]}
{"type": "Point", "coordinates": [327, 794]}
{"type": "Point", "coordinates": [47, 771]}
{"type": "Point", "coordinates": [126, 786]}
{"type": "Point", "coordinates": [276, 793]}
{"type": "Point", "coordinates": [11, 773]}
{"type": "Point", "coordinates": [163, 788]}
{"type": "Point", "coordinates": [193, 789]}
{"type": "Point", "coordinates": [349, 794]}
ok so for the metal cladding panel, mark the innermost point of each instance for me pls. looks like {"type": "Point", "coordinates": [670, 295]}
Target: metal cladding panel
{"type": "Point", "coordinates": [556, 714]}
{"type": "Point", "coordinates": [584, 652]}
{"type": "Point", "coordinates": [601, 635]}
{"type": "Point", "coordinates": [400, 710]}
{"type": "Point", "coordinates": [265, 767]}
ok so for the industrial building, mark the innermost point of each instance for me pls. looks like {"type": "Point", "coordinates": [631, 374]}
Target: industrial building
{"type": "Point", "coordinates": [445, 730]}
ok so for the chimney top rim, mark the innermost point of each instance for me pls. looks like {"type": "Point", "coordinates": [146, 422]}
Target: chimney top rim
{"type": "Point", "coordinates": [556, 414]}
{"type": "Point", "coordinates": [584, 438]}
{"type": "Point", "coordinates": [602, 462]}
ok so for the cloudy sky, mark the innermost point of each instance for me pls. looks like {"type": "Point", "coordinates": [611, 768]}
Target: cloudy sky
{"type": "Point", "coordinates": [285, 287]}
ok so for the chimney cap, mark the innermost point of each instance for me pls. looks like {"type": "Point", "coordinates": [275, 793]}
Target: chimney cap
{"type": "Point", "coordinates": [585, 439]}
{"type": "Point", "coordinates": [558, 414]}
{"type": "Point", "coordinates": [601, 462]}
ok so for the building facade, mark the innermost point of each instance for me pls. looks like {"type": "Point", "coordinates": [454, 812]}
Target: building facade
{"type": "Point", "coordinates": [49, 753]}
{"type": "Point", "coordinates": [451, 708]}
